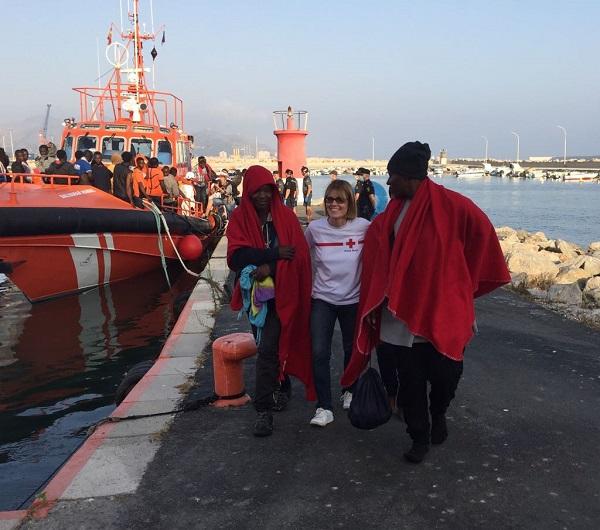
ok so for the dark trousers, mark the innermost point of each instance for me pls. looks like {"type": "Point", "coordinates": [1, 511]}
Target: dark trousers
{"type": "Point", "coordinates": [267, 361]}
{"type": "Point", "coordinates": [366, 212]}
{"type": "Point", "coordinates": [322, 321]}
{"type": "Point", "coordinates": [201, 195]}
{"type": "Point", "coordinates": [406, 372]}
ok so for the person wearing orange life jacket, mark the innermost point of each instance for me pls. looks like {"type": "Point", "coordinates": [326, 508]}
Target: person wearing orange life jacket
{"type": "Point", "coordinates": [154, 182]}
{"type": "Point", "coordinates": [139, 183]}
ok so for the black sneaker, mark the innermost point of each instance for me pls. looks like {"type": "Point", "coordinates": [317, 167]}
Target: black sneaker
{"type": "Point", "coordinates": [416, 453]}
{"type": "Point", "coordinates": [263, 426]}
{"type": "Point", "coordinates": [439, 429]}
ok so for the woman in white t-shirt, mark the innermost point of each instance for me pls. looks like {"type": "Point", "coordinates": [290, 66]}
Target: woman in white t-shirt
{"type": "Point", "coordinates": [336, 243]}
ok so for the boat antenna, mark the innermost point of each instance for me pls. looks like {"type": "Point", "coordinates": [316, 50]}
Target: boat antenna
{"type": "Point", "coordinates": [137, 48]}
{"type": "Point", "coordinates": [121, 13]}
{"type": "Point", "coordinates": [98, 61]}
{"type": "Point", "coordinates": [154, 40]}
{"type": "Point", "coordinates": [152, 16]}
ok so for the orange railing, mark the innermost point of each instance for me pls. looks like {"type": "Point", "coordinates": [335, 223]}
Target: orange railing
{"type": "Point", "coordinates": [185, 206]}
{"type": "Point", "coordinates": [38, 178]}
{"type": "Point", "coordinates": [18, 182]}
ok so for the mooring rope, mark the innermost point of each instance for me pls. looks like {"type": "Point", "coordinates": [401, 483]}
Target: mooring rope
{"type": "Point", "coordinates": [159, 216]}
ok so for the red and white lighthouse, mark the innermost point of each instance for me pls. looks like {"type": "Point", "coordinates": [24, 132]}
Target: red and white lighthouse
{"type": "Point", "coordinates": [290, 129]}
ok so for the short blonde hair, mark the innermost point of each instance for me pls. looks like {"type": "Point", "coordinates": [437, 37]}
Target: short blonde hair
{"type": "Point", "coordinates": [346, 190]}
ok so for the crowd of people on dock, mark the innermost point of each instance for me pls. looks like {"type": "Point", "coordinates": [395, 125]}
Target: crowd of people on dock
{"type": "Point", "coordinates": [131, 179]}
{"type": "Point", "coordinates": [401, 285]}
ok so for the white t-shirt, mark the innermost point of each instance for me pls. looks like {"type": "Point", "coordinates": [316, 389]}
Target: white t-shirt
{"type": "Point", "coordinates": [336, 259]}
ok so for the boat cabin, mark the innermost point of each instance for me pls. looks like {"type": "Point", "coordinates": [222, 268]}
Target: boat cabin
{"type": "Point", "coordinates": [168, 144]}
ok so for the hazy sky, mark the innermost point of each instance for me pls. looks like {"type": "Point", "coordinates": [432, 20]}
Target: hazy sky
{"type": "Point", "coordinates": [446, 72]}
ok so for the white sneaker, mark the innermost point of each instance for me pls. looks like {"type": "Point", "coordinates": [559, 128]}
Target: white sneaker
{"type": "Point", "coordinates": [346, 399]}
{"type": "Point", "coordinates": [322, 417]}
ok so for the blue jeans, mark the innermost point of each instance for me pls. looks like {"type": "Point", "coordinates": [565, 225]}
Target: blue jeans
{"type": "Point", "coordinates": [322, 321]}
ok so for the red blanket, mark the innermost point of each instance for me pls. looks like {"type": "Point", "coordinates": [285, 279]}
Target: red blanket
{"type": "Point", "coordinates": [445, 254]}
{"type": "Point", "coordinates": [293, 278]}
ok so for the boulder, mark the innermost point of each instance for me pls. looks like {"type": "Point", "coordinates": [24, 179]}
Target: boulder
{"type": "Point", "coordinates": [522, 248]}
{"type": "Point", "coordinates": [592, 283]}
{"type": "Point", "coordinates": [507, 244]}
{"type": "Point", "coordinates": [593, 296]}
{"type": "Point", "coordinates": [574, 263]}
{"type": "Point", "coordinates": [505, 232]}
{"type": "Point", "coordinates": [518, 280]}
{"type": "Point", "coordinates": [596, 254]}
{"type": "Point", "coordinates": [567, 248]}
{"type": "Point", "coordinates": [537, 293]}
{"type": "Point", "coordinates": [555, 257]}
{"type": "Point", "coordinates": [551, 246]}
{"type": "Point", "coordinates": [570, 275]}
{"type": "Point", "coordinates": [565, 294]}
{"type": "Point", "coordinates": [522, 235]}
{"type": "Point", "coordinates": [533, 264]}
{"type": "Point", "coordinates": [591, 265]}
{"type": "Point", "coordinates": [537, 237]}
{"type": "Point", "coordinates": [594, 247]}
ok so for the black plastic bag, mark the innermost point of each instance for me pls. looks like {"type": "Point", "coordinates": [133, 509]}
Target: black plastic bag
{"type": "Point", "coordinates": [370, 406]}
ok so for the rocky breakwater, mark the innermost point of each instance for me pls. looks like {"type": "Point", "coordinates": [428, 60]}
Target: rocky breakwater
{"type": "Point", "coordinates": [558, 272]}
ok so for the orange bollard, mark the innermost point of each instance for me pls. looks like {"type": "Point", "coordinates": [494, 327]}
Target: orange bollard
{"type": "Point", "coordinates": [228, 353]}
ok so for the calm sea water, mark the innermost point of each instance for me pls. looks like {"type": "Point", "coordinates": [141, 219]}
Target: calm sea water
{"type": "Point", "coordinates": [562, 210]}
{"type": "Point", "coordinates": [60, 364]}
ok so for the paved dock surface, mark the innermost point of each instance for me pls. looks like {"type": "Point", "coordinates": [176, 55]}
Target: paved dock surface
{"type": "Point", "coordinates": [522, 451]}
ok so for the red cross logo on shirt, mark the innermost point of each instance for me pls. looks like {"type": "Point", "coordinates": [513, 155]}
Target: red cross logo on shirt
{"type": "Point", "coordinates": [350, 243]}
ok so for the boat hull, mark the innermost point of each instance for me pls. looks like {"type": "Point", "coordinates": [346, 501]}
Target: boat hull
{"type": "Point", "coordinates": [49, 266]}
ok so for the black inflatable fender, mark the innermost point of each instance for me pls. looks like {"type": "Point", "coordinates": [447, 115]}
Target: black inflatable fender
{"type": "Point", "coordinates": [131, 378]}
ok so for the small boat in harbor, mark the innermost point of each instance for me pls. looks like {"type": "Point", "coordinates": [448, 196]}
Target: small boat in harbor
{"type": "Point", "coordinates": [580, 176]}
{"type": "Point", "coordinates": [59, 237]}
{"type": "Point", "coordinates": [471, 173]}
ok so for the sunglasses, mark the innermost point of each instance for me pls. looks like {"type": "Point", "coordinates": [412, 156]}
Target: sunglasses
{"type": "Point", "coordinates": [337, 200]}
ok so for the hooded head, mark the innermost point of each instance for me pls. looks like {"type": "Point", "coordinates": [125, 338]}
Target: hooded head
{"type": "Point", "coordinates": [254, 178]}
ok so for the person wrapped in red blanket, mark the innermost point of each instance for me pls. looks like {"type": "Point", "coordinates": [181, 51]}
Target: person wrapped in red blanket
{"type": "Point", "coordinates": [425, 259]}
{"type": "Point", "coordinates": [264, 233]}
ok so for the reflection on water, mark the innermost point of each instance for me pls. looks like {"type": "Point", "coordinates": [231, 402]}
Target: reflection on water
{"type": "Point", "coordinates": [563, 210]}
{"type": "Point", "coordinates": [60, 363]}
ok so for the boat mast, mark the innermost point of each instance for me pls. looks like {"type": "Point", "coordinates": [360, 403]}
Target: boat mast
{"type": "Point", "coordinates": [139, 59]}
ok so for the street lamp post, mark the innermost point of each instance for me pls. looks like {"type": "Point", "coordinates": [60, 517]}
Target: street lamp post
{"type": "Point", "coordinates": [518, 144]}
{"type": "Point", "coordinates": [12, 145]}
{"type": "Point", "coordinates": [565, 146]}
{"type": "Point", "coordinates": [486, 148]}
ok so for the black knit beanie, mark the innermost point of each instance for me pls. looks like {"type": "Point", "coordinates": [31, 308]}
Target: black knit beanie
{"type": "Point", "coordinates": [410, 161]}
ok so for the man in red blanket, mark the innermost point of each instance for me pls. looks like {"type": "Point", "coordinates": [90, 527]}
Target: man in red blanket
{"type": "Point", "coordinates": [264, 233]}
{"type": "Point", "coordinates": [425, 259]}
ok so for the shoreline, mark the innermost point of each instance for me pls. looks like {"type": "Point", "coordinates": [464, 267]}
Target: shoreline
{"type": "Point", "coordinates": [557, 274]}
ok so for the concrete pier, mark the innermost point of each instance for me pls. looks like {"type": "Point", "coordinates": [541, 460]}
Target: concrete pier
{"type": "Point", "coordinates": [521, 452]}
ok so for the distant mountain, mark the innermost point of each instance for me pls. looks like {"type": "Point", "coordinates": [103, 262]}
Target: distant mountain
{"type": "Point", "coordinates": [210, 142]}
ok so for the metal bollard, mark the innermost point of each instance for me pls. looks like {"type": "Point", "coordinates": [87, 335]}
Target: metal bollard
{"type": "Point", "coordinates": [228, 353]}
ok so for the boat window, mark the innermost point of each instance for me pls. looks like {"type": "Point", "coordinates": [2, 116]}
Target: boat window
{"type": "Point", "coordinates": [164, 152]}
{"type": "Point", "coordinates": [141, 146]}
{"type": "Point", "coordinates": [86, 142]}
{"type": "Point", "coordinates": [112, 145]}
{"type": "Point", "coordinates": [180, 152]}
{"type": "Point", "coordinates": [188, 155]}
{"type": "Point", "coordinates": [68, 146]}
